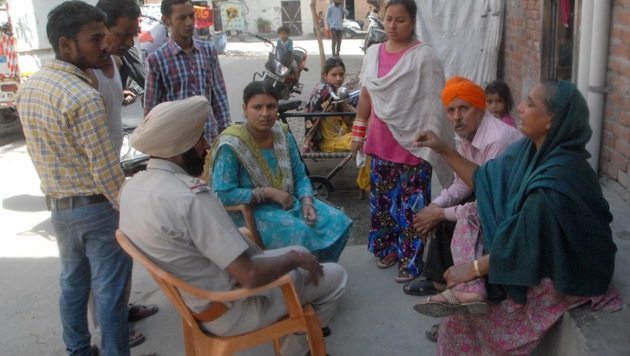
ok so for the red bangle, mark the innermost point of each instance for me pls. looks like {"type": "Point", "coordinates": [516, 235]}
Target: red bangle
{"type": "Point", "coordinates": [300, 256]}
{"type": "Point", "coordinates": [358, 129]}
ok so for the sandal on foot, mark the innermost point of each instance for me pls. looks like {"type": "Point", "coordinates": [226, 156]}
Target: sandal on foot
{"type": "Point", "coordinates": [405, 278]}
{"type": "Point", "coordinates": [135, 338]}
{"type": "Point", "coordinates": [420, 287]}
{"type": "Point", "coordinates": [138, 311]}
{"type": "Point", "coordinates": [432, 334]}
{"type": "Point", "coordinates": [388, 261]}
{"type": "Point", "coordinates": [450, 306]}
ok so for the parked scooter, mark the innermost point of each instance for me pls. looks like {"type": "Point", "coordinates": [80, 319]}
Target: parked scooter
{"type": "Point", "coordinates": [375, 32]}
{"type": "Point", "coordinates": [282, 69]}
{"type": "Point", "coordinates": [352, 28]}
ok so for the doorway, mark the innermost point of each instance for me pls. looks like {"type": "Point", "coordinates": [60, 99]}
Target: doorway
{"type": "Point", "coordinates": [292, 17]}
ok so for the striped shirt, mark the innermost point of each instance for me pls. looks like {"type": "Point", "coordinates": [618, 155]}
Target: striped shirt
{"type": "Point", "coordinates": [173, 74]}
{"type": "Point", "coordinates": [65, 125]}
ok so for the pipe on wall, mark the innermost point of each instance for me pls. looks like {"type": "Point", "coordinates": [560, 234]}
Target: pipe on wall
{"type": "Point", "coordinates": [584, 55]}
{"type": "Point", "coordinates": [597, 76]}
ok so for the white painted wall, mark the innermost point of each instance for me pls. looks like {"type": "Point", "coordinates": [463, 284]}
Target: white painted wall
{"type": "Point", "coordinates": [29, 18]}
{"type": "Point", "coordinates": [271, 10]}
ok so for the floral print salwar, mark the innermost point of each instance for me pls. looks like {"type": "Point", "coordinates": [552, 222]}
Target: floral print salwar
{"type": "Point", "coordinates": [395, 188]}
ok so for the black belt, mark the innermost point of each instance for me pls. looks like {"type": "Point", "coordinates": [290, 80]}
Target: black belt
{"type": "Point", "coordinates": [74, 202]}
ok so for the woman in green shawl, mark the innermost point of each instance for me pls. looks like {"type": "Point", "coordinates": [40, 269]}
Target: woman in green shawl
{"type": "Point", "coordinates": [537, 243]}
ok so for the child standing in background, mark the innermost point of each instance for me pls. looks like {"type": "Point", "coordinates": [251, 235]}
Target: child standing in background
{"type": "Point", "coordinates": [499, 101]}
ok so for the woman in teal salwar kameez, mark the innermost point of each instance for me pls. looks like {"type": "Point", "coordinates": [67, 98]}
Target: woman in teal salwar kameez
{"type": "Point", "coordinates": [258, 163]}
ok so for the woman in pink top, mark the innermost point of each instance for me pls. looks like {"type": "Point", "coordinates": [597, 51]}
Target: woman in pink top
{"type": "Point", "coordinates": [402, 82]}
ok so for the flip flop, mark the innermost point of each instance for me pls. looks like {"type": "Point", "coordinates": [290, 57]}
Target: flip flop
{"type": "Point", "coordinates": [138, 311]}
{"type": "Point", "coordinates": [420, 287]}
{"type": "Point", "coordinates": [388, 261]}
{"type": "Point", "coordinates": [450, 306]}
{"type": "Point", "coordinates": [432, 334]}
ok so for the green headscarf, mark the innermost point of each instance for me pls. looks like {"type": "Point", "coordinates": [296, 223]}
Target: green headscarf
{"type": "Point", "coordinates": [542, 211]}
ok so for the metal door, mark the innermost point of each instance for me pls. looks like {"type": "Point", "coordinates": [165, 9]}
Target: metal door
{"type": "Point", "coordinates": [292, 17]}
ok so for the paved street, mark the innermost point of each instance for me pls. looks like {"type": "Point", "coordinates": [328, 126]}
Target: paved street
{"type": "Point", "coordinates": [373, 315]}
{"type": "Point", "coordinates": [374, 318]}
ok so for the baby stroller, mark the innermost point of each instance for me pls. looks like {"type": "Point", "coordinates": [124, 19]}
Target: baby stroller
{"type": "Point", "coordinates": [318, 128]}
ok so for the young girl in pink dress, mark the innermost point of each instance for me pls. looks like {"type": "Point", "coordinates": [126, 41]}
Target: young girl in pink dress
{"type": "Point", "coordinates": [499, 101]}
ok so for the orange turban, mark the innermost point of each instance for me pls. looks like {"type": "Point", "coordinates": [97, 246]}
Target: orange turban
{"type": "Point", "coordinates": [458, 87]}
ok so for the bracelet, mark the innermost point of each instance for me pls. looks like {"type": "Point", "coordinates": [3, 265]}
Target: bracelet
{"type": "Point", "coordinates": [358, 130]}
{"type": "Point", "coordinates": [357, 139]}
{"type": "Point", "coordinates": [300, 256]}
{"type": "Point", "coordinates": [259, 195]}
{"type": "Point", "coordinates": [476, 265]}
{"type": "Point", "coordinates": [309, 204]}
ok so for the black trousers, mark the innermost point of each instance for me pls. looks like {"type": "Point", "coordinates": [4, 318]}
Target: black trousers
{"type": "Point", "coordinates": [336, 36]}
{"type": "Point", "coordinates": [439, 257]}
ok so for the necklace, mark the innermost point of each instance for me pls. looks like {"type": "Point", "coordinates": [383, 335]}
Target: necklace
{"type": "Point", "coordinates": [393, 47]}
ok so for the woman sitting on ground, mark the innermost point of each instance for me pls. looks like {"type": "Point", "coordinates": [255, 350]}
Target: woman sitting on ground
{"type": "Point", "coordinates": [258, 163]}
{"type": "Point", "coordinates": [541, 241]}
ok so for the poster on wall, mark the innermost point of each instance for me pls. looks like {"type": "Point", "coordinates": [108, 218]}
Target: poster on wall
{"type": "Point", "coordinates": [232, 16]}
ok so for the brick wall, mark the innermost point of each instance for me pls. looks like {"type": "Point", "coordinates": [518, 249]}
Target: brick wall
{"type": "Point", "coordinates": [521, 46]}
{"type": "Point", "coordinates": [615, 153]}
{"type": "Point", "coordinates": [521, 69]}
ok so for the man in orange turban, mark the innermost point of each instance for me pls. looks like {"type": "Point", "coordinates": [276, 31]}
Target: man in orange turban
{"type": "Point", "coordinates": [482, 137]}
{"type": "Point", "coordinates": [458, 87]}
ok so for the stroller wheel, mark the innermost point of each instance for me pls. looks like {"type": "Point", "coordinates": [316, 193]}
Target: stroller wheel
{"type": "Point", "coordinates": [321, 186]}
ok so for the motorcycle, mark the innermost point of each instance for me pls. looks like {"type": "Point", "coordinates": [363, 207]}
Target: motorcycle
{"type": "Point", "coordinates": [282, 69]}
{"type": "Point", "coordinates": [376, 31]}
{"type": "Point", "coordinates": [352, 28]}
{"type": "Point", "coordinates": [132, 161]}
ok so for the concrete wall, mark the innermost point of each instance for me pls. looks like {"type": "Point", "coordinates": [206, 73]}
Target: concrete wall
{"type": "Point", "coordinates": [522, 69]}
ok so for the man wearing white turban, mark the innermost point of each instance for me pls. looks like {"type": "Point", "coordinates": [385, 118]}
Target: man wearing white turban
{"type": "Point", "coordinates": [180, 225]}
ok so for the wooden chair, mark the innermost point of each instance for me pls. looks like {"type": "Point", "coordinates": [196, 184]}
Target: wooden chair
{"type": "Point", "coordinates": [300, 319]}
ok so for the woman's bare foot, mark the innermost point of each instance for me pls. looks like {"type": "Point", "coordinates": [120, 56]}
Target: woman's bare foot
{"type": "Point", "coordinates": [463, 297]}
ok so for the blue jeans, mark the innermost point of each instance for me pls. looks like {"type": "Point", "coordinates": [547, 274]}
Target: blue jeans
{"type": "Point", "coordinates": [91, 256]}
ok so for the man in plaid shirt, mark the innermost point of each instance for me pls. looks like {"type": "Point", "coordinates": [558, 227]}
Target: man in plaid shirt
{"type": "Point", "coordinates": [184, 67]}
{"type": "Point", "coordinates": [65, 125]}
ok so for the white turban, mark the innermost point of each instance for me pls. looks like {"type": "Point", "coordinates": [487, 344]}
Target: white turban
{"type": "Point", "coordinates": [172, 128]}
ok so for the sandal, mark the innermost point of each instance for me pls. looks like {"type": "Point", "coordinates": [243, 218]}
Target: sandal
{"type": "Point", "coordinates": [432, 334]}
{"type": "Point", "coordinates": [139, 311]}
{"type": "Point", "coordinates": [388, 261]}
{"type": "Point", "coordinates": [135, 338]}
{"type": "Point", "coordinates": [450, 306]}
{"type": "Point", "coordinates": [420, 287]}
{"type": "Point", "coordinates": [405, 278]}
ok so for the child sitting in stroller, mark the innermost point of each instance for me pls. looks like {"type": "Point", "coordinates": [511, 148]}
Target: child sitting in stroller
{"type": "Point", "coordinates": [330, 133]}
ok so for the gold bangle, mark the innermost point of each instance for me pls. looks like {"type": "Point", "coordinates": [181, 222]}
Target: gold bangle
{"type": "Point", "coordinates": [476, 265]}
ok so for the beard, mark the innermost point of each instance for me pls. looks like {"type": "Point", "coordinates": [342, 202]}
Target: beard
{"type": "Point", "coordinates": [193, 164]}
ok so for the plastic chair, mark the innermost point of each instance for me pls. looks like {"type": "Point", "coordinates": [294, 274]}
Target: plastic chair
{"type": "Point", "coordinates": [300, 319]}
{"type": "Point", "coordinates": [250, 222]}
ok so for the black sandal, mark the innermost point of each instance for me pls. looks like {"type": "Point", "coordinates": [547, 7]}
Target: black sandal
{"type": "Point", "coordinates": [420, 287]}
{"type": "Point", "coordinates": [432, 334]}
